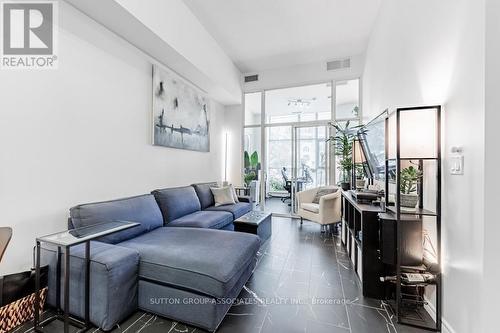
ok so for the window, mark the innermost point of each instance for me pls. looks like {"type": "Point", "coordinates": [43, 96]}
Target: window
{"type": "Point", "coordinates": [298, 104]}
{"type": "Point", "coordinates": [252, 154]}
{"type": "Point", "coordinates": [347, 99]}
{"type": "Point", "coordinates": [253, 108]}
{"type": "Point", "coordinates": [279, 156]}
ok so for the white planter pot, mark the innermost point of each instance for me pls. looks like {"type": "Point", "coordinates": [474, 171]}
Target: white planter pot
{"type": "Point", "coordinates": [409, 200]}
{"type": "Point", "coordinates": [360, 183]}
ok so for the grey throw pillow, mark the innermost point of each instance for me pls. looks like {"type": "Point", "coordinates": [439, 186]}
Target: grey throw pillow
{"type": "Point", "coordinates": [222, 196]}
{"type": "Point", "coordinates": [323, 191]}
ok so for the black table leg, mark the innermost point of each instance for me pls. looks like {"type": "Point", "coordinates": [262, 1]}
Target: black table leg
{"type": "Point", "coordinates": [66, 291]}
{"type": "Point", "coordinates": [87, 284]}
{"type": "Point", "coordinates": [37, 286]}
{"type": "Point", "coordinates": [58, 280]}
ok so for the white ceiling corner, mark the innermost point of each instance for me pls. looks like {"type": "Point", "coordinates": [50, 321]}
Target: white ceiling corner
{"type": "Point", "coordinates": [263, 34]}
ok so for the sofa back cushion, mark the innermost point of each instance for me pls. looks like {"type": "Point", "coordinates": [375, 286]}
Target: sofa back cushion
{"type": "Point", "coordinates": [205, 194]}
{"type": "Point", "coordinates": [177, 202]}
{"type": "Point", "coordinates": [142, 209]}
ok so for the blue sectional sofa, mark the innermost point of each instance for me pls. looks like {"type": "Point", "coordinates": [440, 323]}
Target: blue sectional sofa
{"type": "Point", "coordinates": [183, 261]}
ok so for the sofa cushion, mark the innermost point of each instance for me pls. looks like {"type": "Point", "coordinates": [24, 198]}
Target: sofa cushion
{"type": "Point", "coordinates": [203, 219]}
{"type": "Point", "coordinates": [238, 209]}
{"type": "Point", "coordinates": [176, 202]}
{"type": "Point", "coordinates": [310, 207]}
{"type": "Point", "coordinates": [142, 209]}
{"type": "Point", "coordinates": [193, 258]}
{"type": "Point", "coordinates": [205, 194]}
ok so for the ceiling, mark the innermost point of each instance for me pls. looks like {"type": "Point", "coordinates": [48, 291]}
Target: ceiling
{"type": "Point", "coordinates": [266, 34]}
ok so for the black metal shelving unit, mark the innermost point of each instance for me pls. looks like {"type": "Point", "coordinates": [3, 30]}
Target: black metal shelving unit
{"type": "Point", "coordinates": [409, 307]}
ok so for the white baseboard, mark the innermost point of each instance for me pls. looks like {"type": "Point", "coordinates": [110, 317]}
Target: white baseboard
{"type": "Point", "coordinates": [446, 327]}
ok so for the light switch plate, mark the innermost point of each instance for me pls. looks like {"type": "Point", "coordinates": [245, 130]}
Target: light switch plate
{"type": "Point", "coordinates": [457, 165]}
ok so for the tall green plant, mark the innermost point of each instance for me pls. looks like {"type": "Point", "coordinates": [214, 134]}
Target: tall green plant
{"type": "Point", "coordinates": [252, 166]}
{"type": "Point", "coordinates": [342, 143]}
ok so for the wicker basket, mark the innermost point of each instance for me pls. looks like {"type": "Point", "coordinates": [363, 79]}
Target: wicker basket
{"type": "Point", "coordinates": [20, 311]}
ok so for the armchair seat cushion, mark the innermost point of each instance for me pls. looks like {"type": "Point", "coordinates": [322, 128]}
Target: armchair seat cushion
{"type": "Point", "coordinates": [310, 207]}
{"type": "Point", "coordinates": [203, 219]}
{"type": "Point", "coordinates": [193, 259]}
{"type": "Point", "coordinates": [238, 209]}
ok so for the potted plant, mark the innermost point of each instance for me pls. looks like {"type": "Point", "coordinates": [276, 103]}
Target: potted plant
{"type": "Point", "coordinates": [410, 177]}
{"type": "Point", "coordinates": [342, 142]}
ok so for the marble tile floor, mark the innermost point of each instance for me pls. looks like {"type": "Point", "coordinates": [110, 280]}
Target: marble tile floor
{"type": "Point", "coordinates": [303, 282]}
{"type": "Point", "coordinates": [275, 205]}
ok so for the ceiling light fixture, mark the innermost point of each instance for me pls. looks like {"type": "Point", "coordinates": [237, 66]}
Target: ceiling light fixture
{"type": "Point", "coordinates": [301, 102]}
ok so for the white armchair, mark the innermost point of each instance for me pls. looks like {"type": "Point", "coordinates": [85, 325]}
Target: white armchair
{"type": "Point", "coordinates": [324, 213]}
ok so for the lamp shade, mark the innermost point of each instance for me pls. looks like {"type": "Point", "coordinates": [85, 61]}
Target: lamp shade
{"type": "Point", "coordinates": [358, 155]}
{"type": "Point", "coordinates": [418, 133]}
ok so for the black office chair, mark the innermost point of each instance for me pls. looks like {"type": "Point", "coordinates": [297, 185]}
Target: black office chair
{"type": "Point", "coordinates": [287, 184]}
{"type": "Point", "coordinates": [5, 236]}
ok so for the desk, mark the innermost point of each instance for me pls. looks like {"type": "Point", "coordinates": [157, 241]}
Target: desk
{"type": "Point", "coordinates": [360, 236]}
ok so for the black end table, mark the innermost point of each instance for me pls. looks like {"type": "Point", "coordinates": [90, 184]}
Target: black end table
{"type": "Point", "coordinates": [66, 240]}
{"type": "Point", "coordinates": [255, 222]}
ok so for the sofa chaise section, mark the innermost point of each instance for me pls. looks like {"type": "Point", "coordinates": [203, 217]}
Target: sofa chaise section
{"type": "Point", "coordinates": [194, 258]}
{"type": "Point", "coordinates": [191, 277]}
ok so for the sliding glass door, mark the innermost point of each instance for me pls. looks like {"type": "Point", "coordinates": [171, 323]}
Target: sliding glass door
{"type": "Point", "coordinates": [310, 160]}
{"type": "Point", "coordinates": [297, 158]}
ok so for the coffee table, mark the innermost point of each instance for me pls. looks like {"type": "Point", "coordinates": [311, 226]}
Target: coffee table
{"type": "Point", "coordinates": [255, 222]}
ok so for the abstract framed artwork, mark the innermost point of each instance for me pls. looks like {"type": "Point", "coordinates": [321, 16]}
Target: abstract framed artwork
{"type": "Point", "coordinates": [181, 113]}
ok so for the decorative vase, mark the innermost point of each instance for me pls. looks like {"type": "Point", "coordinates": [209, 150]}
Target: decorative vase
{"type": "Point", "coordinates": [409, 200]}
{"type": "Point", "coordinates": [346, 186]}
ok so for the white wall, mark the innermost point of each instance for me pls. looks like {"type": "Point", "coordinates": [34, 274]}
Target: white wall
{"type": "Point", "coordinates": [427, 52]}
{"type": "Point", "coordinates": [170, 33]}
{"type": "Point", "coordinates": [82, 133]}
{"type": "Point", "coordinates": [492, 184]}
{"type": "Point", "coordinates": [176, 24]}
{"type": "Point", "coordinates": [309, 73]}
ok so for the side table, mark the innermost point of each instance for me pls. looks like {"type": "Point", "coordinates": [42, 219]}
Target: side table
{"type": "Point", "coordinates": [67, 239]}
